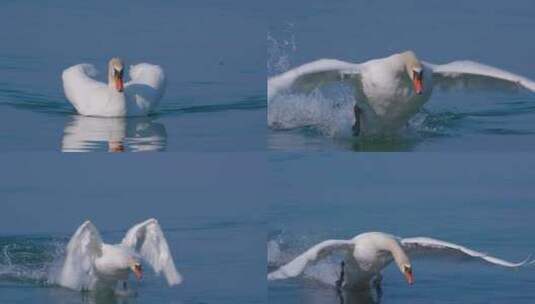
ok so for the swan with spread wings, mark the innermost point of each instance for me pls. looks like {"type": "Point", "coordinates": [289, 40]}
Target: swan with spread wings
{"type": "Point", "coordinates": [389, 91]}
{"type": "Point", "coordinates": [367, 254]}
{"type": "Point", "coordinates": [92, 264]}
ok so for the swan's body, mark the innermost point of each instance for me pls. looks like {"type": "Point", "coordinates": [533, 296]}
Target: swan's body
{"type": "Point", "coordinates": [91, 264]}
{"type": "Point", "coordinates": [389, 91]}
{"type": "Point", "coordinates": [367, 254]}
{"type": "Point", "coordinates": [138, 97]}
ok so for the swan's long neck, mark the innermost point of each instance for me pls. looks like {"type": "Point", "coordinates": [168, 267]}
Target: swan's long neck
{"type": "Point", "coordinates": [397, 252]}
{"type": "Point", "coordinates": [111, 79]}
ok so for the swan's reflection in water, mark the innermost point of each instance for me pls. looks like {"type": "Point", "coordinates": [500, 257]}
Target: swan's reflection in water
{"type": "Point", "coordinates": [85, 134]}
{"type": "Point", "coordinates": [333, 296]}
{"type": "Point", "coordinates": [358, 297]}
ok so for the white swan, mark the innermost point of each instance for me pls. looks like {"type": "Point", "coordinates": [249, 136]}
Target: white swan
{"type": "Point", "coordinates": [389, 91]}
{"type": "Point", "coordinates": [367, 254]}
{"type": "Point", "coordinates": [91, 264]}
{"type": "Point", "coordinates": [137, 97]}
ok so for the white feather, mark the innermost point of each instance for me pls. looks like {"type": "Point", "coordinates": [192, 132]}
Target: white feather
{"type": "Point", "coordinates": [83, 248]}
{"type": "Point", "coordinates": [148, 240]}
{"type": "Point", "coordinates": [317, 252]}
{"type": "Point", "coordinates": [470, 74]}
{"type": "Point", "coordinates": [434, 247]}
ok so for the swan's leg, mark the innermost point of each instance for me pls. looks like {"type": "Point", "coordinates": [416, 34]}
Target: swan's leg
{"type": "Point", "coordinates": [356, 126]}
{"type": "Point", "coordinates": [340, 281]}
{"type": "Point", "coordinates": [340, 297]}
{"type": "Point", "coordinates": [377, 283]}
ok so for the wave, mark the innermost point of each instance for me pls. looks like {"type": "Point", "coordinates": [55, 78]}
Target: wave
{"type": "Point", "coordinates": [328, 116]}
{"type": "Point", "coordinates": [25, 100]}
{"type": "Point", "coordinates": [331, 114]}
{"type": "Point", "coordinates": [57, 104]}
{"type": "Point", "coordinates": [247, 103]}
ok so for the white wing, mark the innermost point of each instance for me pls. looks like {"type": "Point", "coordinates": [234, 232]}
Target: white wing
{"type": "Point", "coordinates": [317, 252]}
{"type": "Point", "coordinates": [312, 75]}
{"type": "Point", "coordinates": [77, 271]}
{"type": "Point", "coordinates": [429, 246]}
{"type": "Point", "coordinates": [79, 86]}
{"type": "Point", "coordinates": [146, 87]}
{"type": "Point", "coordinates": [471, 74]}
{"type": "Point", "coordinates": [148, 240]}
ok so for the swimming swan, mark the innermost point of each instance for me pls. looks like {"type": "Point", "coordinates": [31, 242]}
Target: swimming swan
{"type": "Point", "coordinates": [138, 97]}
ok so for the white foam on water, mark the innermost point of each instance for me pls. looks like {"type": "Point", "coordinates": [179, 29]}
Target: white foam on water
{"type": "Point", "coordinates": [329, 116]}
{"type": "Point", "coordinates": [26, 262]}
{"type": "Point", "coordinates": [282, 251]}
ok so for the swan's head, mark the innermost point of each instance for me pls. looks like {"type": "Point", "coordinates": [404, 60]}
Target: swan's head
{"type": "Point", "coordinates": [406, 270]}
{"type": "Point", "coordinates": [403, 262]}
{"type": "Point", "coordinates": [415, 70]}
{"type": "Point", "coordinates": [116, 71]}
{"type": "Point", "coordinates": [136, 268]}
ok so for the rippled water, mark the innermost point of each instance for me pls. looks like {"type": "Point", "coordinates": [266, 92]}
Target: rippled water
{"type": "Point", "coordinates": [215, 89]}
{"type": "Point", "coordinates": [482, 201]}
{"type": "Point", "coordinates": [490, 32]}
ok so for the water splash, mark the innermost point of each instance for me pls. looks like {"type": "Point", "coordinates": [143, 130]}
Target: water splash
{"type": "Point", "coordinates": [280, 49]}
{"type": "Point", "coordinates": [330, 116]}
{"type": "Point", "coordinates": [283, 248]}
{"type": "Point", "coordinates": [30, 260]}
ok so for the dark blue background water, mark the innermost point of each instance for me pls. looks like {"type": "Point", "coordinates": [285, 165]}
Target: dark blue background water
{"type": "Point", "coordinates": [492, 32]}
{"type": "Point", "coordinates": [213, 54]}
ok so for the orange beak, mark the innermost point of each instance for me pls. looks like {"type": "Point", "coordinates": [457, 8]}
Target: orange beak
{"type": "Point", "coordinates": [409, 277]}
{"type": "Point", "coordinates": [418, 83]}
{"type": "Point", "coordinates": [119, 85]}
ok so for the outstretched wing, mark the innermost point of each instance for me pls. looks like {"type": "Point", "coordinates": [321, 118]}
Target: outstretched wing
{"type": "Point", "coordinates": [84, 246]}
{"type": "Point", "coordinates": [429, 246]}
{"type": "Point", "coordinates": [312, 75]}
{"type": "Point", "coordinates": [317, 252]}
{"type": "Point", "coordinates": [148, 240]}
{"type": "Point", "coordinates": [470, 74]}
